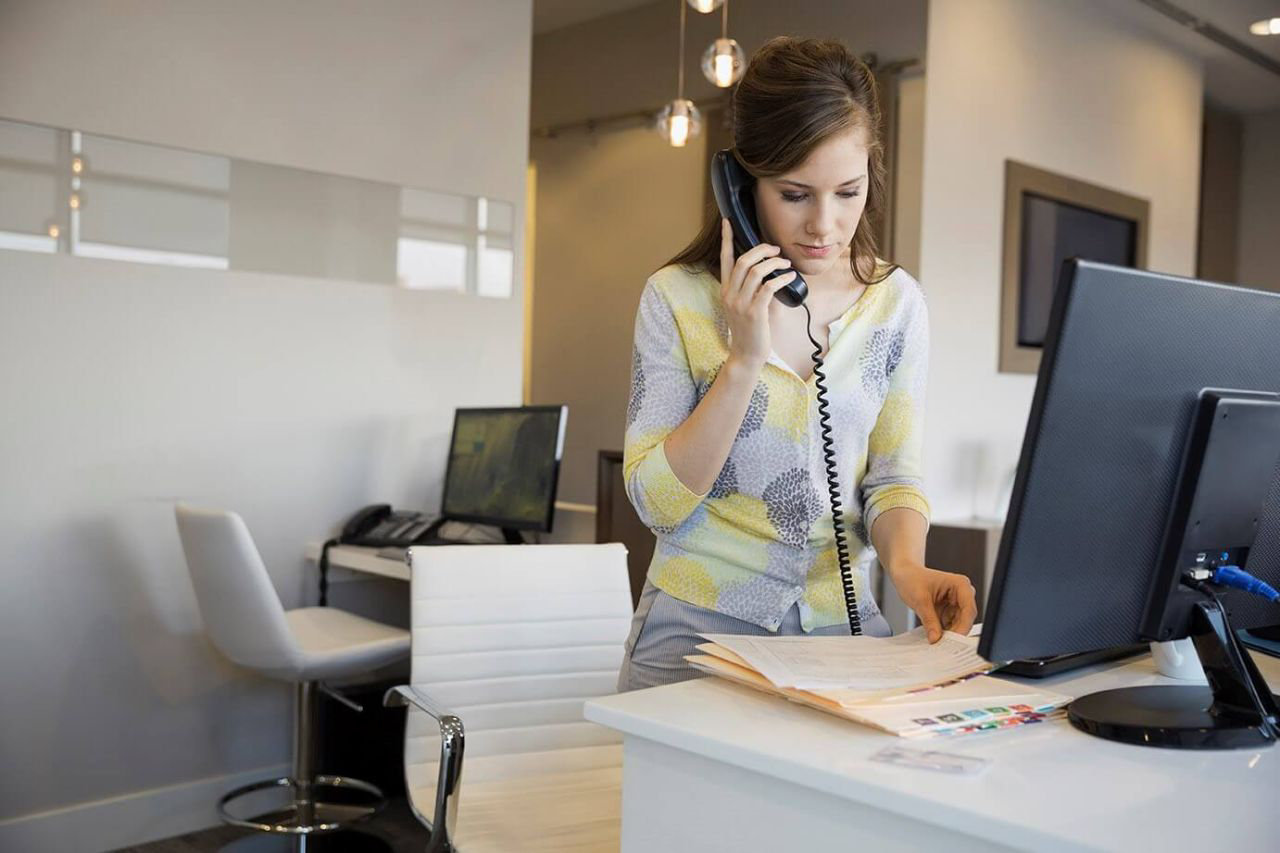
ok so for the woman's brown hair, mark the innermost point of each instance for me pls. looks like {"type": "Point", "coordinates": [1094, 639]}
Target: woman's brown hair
{"type": "Point", "coordinates": [796, 94]}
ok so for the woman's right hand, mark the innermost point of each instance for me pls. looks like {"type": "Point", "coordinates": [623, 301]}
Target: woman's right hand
{"type": "Point", "coordinates": [746, 300]}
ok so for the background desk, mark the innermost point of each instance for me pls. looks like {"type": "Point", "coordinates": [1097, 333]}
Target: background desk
{"type": "Point", "coordinates": [359, 559]}
{"type": "Point", "coordinates": [714, 766]}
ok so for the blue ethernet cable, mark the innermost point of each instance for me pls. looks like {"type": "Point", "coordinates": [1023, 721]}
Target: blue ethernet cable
{"type": "Point", "coordinates": [1238, 578]}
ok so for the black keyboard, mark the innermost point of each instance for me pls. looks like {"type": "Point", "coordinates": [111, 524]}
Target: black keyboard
{"type": "Point", "coordinates": [1054, 664]}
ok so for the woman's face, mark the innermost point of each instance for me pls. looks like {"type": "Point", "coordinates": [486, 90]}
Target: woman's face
{"type": "Point", "coordinates": [812, 211]}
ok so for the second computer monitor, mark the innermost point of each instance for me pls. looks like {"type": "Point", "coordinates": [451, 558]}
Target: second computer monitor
{"type": "Point", "coordinates": [503, 466]}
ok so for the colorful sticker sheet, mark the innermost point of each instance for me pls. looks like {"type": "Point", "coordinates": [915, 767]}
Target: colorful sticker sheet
{"type": "Point", "coordinates": [986, 719]}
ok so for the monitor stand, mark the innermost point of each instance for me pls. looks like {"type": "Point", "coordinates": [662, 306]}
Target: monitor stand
{"type": "Point", "coordinates": [1235, 711]}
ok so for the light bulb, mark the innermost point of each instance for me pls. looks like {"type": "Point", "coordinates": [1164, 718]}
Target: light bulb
{"type": "Point", "coordinates": [54, 231]}
{"type": "Point", "coordinates": [723, 62]}
{"type": "Point", "coordinates": [679, 122]}
{"type": "Point", "coordinates": [679, 131]}
{"type": "Point", "coordinates": [77, 165]}
{"type": "Point", "coordinates": [705, 6]}
{"type": "Point", "coordinates": [1265, 27]}
{"type": "Point", "coordinates": [74, 201]}
{"type": "Point", "coordinates": [724, 70]}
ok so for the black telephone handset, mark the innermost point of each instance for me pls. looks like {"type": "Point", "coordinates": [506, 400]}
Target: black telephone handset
{"type": "Point", "coordinates": [379, 526]}
{"type": "Point", "coordinates": [363, 521]}
{"type": "Point", "coordinates": [733, 187]}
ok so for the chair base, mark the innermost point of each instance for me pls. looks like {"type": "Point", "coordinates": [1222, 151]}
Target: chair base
{"type": "Point", "coordinates": [333, 842]}
{"type": "Point", "coordinates": [301, 818]}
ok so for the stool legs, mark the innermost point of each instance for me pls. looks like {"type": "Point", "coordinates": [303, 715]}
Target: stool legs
{"type": "Point", "coordinates": [306, 813]}
{"type": "Point", "coordinates": [304, 749]}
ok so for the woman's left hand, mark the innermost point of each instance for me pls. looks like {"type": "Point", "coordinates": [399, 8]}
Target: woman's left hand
{"type": "Point", "coordinates": [942, 600]}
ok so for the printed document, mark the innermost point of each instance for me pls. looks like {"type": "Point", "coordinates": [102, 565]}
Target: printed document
{"type": "Point", "coordinates": [858, 663]}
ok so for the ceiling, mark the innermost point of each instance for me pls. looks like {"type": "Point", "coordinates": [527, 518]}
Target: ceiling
{"type": "Point", "coordinates": [551, 15]}
{"type": "Point", "coordinates": [1234, 18]}
{"type": "Point", "coordinates": [1231, 81]}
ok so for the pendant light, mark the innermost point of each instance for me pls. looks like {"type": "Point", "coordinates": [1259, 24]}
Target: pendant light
{"type": "Point", "coordinates": [723, 61]}
{"type": "Point", "coordinates": [680, 121]}
{"type": "Point", "coordinates": [705, 6]}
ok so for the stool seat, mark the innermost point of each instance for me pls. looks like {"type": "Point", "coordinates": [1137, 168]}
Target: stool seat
{"type": "Point", "coordinates": [334, 643]}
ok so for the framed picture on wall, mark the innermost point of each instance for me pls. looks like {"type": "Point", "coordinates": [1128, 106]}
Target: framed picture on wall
{"type": "Point", "coordinates": [1049, 218]}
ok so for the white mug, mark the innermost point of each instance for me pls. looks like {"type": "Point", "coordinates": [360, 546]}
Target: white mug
{"type": "Point", "coordinates": [1178, 659]}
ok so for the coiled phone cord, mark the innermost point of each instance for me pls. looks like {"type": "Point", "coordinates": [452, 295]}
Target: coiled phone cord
{"type": "Point", "coordinates": [833, 484]}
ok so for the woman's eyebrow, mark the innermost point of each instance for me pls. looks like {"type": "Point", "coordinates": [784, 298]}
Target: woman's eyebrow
{"type": "Point", "coordinates": [807, 187]}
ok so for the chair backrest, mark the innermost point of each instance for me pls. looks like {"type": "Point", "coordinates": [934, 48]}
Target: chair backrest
{"type": "Point", "coordinates": [514, 639]}
{"type": "Point", "coordinates": [242, 612]}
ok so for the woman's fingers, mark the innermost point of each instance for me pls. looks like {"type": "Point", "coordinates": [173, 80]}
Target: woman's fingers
{"type": "Point", "coordinates": [766, 291]}
{"type": "Point", "coordinates": [742, 281]}
{"type": "Point", "coordinates": [726, 255]}
{"type": "Point", "coordinates": [958, 607]}
{"type": "Point", "coordinates": [747, 263]}
{"type": "Point", "coordinates": [751, 284]}
{"type": "Point", "coordinates": [968, 608]}
{"type": "Point", "coordinates": [932, 620]}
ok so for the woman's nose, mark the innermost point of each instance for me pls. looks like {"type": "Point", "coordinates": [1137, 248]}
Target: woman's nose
{"type": "Point", "coordinates": [822, 221]}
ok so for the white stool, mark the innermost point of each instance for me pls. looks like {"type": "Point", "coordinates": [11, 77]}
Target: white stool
{"type": "Point", "coordinates": [246, 622]}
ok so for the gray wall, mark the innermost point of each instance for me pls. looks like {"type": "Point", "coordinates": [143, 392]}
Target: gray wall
{"type": "Point", "coordinates": [291, 400]}
{"type": "Point", "coordinates": [610, 211]}
{"type": "Point", "coordinates": [1259, 255]}
{"type": "Point", "coordinates": [1219, 235]}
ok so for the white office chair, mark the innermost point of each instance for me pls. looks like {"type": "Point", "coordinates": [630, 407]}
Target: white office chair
{"type": "Point", "coordinates": [246, 622]}
{"type": "Point", "coordinates": [513, 639]}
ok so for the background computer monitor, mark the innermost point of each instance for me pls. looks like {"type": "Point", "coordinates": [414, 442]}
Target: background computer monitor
{"type": "Point", "coordinates": [504, 464]}
{"type": "Point", "coordinates": [1127, 356]}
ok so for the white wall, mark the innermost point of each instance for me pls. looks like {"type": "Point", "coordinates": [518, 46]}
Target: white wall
{"type": "Point", "coordinates": [1258, 262]}
{"type": "Point", "coordinates": [292, 400]}
{"type": "Point", "coordinates": [1067, 87]}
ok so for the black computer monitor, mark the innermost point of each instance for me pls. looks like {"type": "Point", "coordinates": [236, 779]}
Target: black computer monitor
{"type": "Point", "coordinates": [504, 464]}
{"type": "Point", "coordinates": [1116, 481]}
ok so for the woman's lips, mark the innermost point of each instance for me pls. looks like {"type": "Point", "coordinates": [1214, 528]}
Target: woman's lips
{"type": "Point", "coordinates": [814, 251]}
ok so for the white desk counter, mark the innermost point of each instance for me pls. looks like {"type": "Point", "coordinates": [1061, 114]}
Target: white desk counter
{"type": "Point", "coordinates": [359, 559]}
{"type": "Point", "coordinates": [714, 766]}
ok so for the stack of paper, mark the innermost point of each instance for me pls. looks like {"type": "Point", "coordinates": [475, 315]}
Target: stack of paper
{"type": "Point", "coordinates": [901, 684]}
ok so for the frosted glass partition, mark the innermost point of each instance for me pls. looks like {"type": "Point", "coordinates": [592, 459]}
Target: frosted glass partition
{"type": "Point", "coordinates": [30, 188]}
{"type": "Point", "coordinates": [95, 196]}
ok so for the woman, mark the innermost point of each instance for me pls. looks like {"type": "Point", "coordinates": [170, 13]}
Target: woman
{"type": "Point", "coordinates": [723, 454]}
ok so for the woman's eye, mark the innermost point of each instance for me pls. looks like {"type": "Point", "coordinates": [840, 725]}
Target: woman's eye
{"type": "Point", "coordinates": [798, 197]}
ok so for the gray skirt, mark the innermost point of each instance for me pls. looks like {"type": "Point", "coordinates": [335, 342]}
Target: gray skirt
{"type": "Point", "coordinates": [665, 629]}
